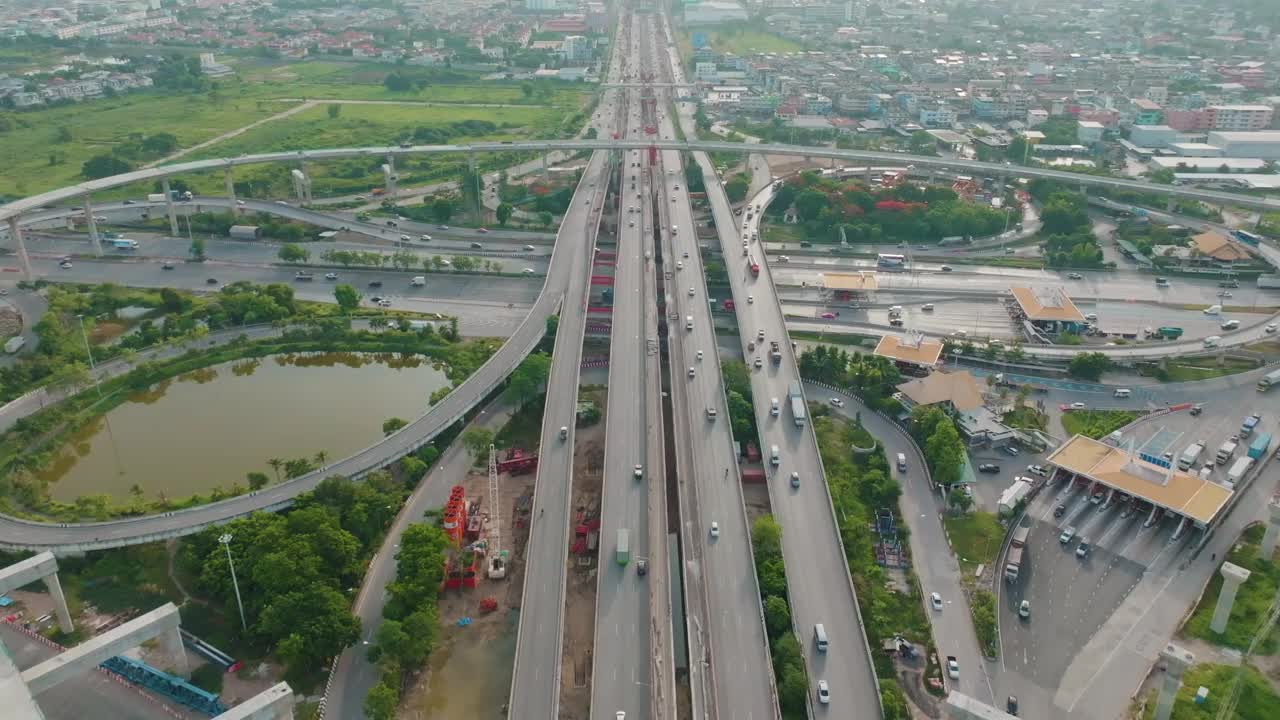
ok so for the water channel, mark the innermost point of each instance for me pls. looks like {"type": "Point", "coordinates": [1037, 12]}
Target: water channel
{"type": "Point", "coordinates": [210, 427]}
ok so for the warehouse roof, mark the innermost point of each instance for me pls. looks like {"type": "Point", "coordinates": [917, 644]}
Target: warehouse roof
{"type": "Point", "coordinates": [1171, 489]}
{"type": "Point", "coordinates": [1046, 304]}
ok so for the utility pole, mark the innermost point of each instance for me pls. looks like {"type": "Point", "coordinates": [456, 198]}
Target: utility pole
{"type": "Point", "coordinates": [225, 539]}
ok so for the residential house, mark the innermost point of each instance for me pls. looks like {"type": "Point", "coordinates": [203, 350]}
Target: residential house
{"type": "Point", "coordinates": [1219, 248]}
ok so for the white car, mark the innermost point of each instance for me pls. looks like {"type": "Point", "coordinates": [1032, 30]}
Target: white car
{"type": "Point", "coordinates": [1271, 327]}
{"type": "Point", "coordinates": [935, 600]}
{"type": "Point", "coordinates": [824, 692]}
{"type": "Point", "coordinates": [691, 292]}
{"type": "Point", "coordinates": [715, 529]}
{"type": "Point", "coordinates": [331, 276]}
{"type": "Point", "coordinates": [751, 299]}
{"type": "Point", "coordinates": [795, 479]}
{"type": "Point", "coordinates": [1078, 406]}
{"type": "Point", "coordinates": [837, 402]}
{"type": "Point", "coordinates": [1038, 470]}
{"type": "Point", "coordinates": [384, 303]}
{"type": "Point", "coordinates": [953, 668]}
{"type": "Point", "coordinates": [1024, 609]}
{"type": "Point", "coordinates": [639, 472]}
{"type": "Point", "coordinates": [528, 271]}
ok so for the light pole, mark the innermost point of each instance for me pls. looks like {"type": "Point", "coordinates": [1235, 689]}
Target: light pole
{"type": "Point", "coordinates": [225, 539]}
{"type": "Point", "coordinates": [85, 337]}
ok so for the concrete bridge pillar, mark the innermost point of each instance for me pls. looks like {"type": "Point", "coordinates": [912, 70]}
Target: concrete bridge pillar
{"type": "Point", "coordinates": [59, 603]}
{"type": "Point", "coordinates": [168, 206]}
{"type": "Point", "coordinates": [172, 640]}
{"type": "Point", "coordinates": [1084, 189]}
{"type": "Point", "coordinates": [1221, 357]}
{"type": "Point", "coordinates": [229, 180]}
{"type": "Point", "coordinates": [1176, 661]}
{"type": "Point", "coordinates": [1232, 577]}
{"type": "Point", "coordinates": [92, 222]}
{"type": "Point", "coordinates": [21, 247]}
{"type": "Point", "coordinates": [40, 567]}
{"type": "Point", "coordinates": [1152, 517]}
{"type": "Point", "coordinates": [274, 703]}
{"type": "Point", "coordinates": [1170, 205]}
{"type": "Point", "coordinates": [301, 185]}
{"type": "Point", "coordinates": [1272, 534]}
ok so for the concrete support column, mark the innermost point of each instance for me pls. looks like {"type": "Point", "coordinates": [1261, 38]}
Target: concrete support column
{"type": "Point", "coordinates": [59, 602]}
{"type": "Point", "coordinates": [24, 261]}
{"type": "Point", "coordinates": [229, 179]}
{"type": "Point", "coordinates": [169, 208]}
{"type": "Point", "coordinates": [92, 222]}
{"type": "Point", "coordinates": [1176, 661]}
{"type": "Point", "coordinates": [389, 174]}
{"type": "Point", "coordinates": [1272, 534]}
{"type": "Point", "coordinates": [471, 165]}
{"type": "Point", "coordinates": [544, 167]}
{"type": "Point", "coordinates": [1232, 577]}
{"type": "Point", "coordinates": [172, 640]}
{"type": "Point", "coordinates": [1084, 189]}
{"type": "Point", "coordinates": [1170, 205]}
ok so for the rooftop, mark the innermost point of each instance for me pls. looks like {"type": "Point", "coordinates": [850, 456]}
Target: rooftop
{"type": "Point", "coordinates": [916, 350]}
{"type": "Point", "coordinates": [849, 281]}
{"type": "Point", "coordinates": [1046, 304]}
{"type": "Point", "coordinates": [1219, 247]}
{"type": "Point", "coordinates": [957, 388]}
{"type": "Point", "coordinates": [1172, 489]}
{"type": "Point", "coordinates": [1270, 136]}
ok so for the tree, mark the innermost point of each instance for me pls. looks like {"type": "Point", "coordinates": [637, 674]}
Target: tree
{"type": "Point", "coordinates": [396, 82]}
{"type": "Point", "coordinates": [197, 248]}
{"type": "Point", "coordinates": [101, 166]}
{"type": "Point", "coordinates": [1089, 366]}
{"type": "Point", "coordinates": [504, 211]}
{"type": "Point", "coordinates": [545, 219]}
{"type": "Point", "coordinates": [442, 209]}
{"type": "Point", "coordinates": [590, 134]}
{"type": "Point", "coordinates": [945, 453]}
{"type": "Point", "coordinates": [334, 110]}
{"type": "Point", "coordinates": [736, 188]}
{"type": "Point", "coordinates": [380, 703]}
{"type": "Point", "coordinates": [477, 440]}
{"type": "Point", "coordinates": [391, 425]}
{"type": "Point", "coordinates": [347, 297]}
{"type": "Point", "coordinates": [62, 135]}
{"type": "Point", "coordinates": [257, 480]}
{"type": "Point", "coordinates": [526, 381]}
{"type": "Point", "coordinates": [959, 499]}
{"type": "Point", "coordinates": [777, 615]}
{"type": "Point", "coordinates": [276, 464]}
{"type": "Point", "coordinates": [291, 253]}
{"type": "Point", "coordinates": [1063, 214]}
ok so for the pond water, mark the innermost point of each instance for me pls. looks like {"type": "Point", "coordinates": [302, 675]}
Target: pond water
{"type": "Point", "coordinates": [210, 427]}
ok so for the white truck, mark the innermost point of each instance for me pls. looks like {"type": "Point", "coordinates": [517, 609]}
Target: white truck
{"type": "Point", "coordinates": [1225, 451]}
{"type": "Point", "coordinates": [155, 197]}
{"type": "Point", "coordinates": [419, 281]}
{"type": "Point", "coordinates": [1190, 455]}
{"type": "Point", "coordinates": [797, 403]}
{"type": "Point", "coordinates": [124, 244]}
{"type": "Point", "coordinates": [1239, 469]}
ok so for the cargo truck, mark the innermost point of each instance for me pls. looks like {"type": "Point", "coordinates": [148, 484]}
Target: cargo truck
{"type": "Point", "coordinates": [155, 197]}
{"type": "Point", "coordinates": [1189, 456]}
{"type": "Point", "coordinates": [1269, 381]}
{"type": "Point", "coordinates": [1225, 451]}
{"type": "Point", "coordinates": [1169, 333]}
{"type": "Point", "coordinates": [1259, 446]}
{"type": "Point", "coordinates": [797, 403]}
{"type": "Point", "coordinates": [1269, 282]}
{"type": "Point", "coordinates": [1238, 470]}
{"type": "Point", "coordinates": [1017, 546]}
{"type": "Point", "coordinates": [775, 353]}
{"type": "Point", "coordinates": [623, 553]}
{"type": "Point", "coordinates": [303, 275]}
{"type": "Point", "coordinates": [755, 266]}
{"type": "Point", "coordinates": [1251, 422]}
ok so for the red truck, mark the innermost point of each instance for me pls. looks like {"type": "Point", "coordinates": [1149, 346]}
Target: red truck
{"type": "Point", "coordinates": [755, 266]}
{"type": "Point", "coordinates": [727, 305]}
{"type": "Point", "coordinates": [753, 476]}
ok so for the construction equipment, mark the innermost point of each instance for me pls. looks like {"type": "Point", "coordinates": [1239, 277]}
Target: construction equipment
{"type": "Point", "coordinates": [497, 564]}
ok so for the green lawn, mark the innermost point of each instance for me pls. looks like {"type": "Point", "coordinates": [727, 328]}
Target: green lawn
{"type": "Point", "coordinates": [1096, 423]}
{"type": "Point", "coordinates": [1253, 599]}
{"type": "Point", "coordinates": [746, 42]}
{"type": "Point", "coordinates": [1257, 700]}
{"type": "Point", "coordinates": [975, 537]}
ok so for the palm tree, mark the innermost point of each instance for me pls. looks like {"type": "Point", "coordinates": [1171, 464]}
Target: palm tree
{"type": "Point", "coordinates": [276, 464]}
{"type": "Point", "coordinates": [320, 458]}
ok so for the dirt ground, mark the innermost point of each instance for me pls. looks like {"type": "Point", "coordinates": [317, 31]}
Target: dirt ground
{"type": "Point", "coordinates": [756, 498]}
{"type": "Point", "coordinates": [580, 598]}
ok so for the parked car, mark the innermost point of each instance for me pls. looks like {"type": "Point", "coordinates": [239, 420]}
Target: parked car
{"type": "Point", "coordinates": [1011, 450]}
{"type": "Point", "coordinates": [1038, 470]}
{"type": "Point", "coordinates": [988, 468]}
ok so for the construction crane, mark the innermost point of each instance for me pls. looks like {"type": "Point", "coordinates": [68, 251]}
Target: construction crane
{"type": "Point", "coordinates": [497, 563]}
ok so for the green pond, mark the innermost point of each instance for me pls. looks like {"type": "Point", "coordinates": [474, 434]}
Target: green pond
{"type": "Point", "coordinates": [211, 427]}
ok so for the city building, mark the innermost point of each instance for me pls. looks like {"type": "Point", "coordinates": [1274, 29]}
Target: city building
{"type": "Point", "coordinates": [1240, 117]}
{"type": "Point", "coordinates": [542, 5]}
{"type": "Point", "coordinates": [1036, 116]}
{"type": "Point", "coordinates": [937, 116]}
{"type": "Point", "coordinates": [1089, 132]}
{"type": "Point", "coordinates": [1146, 112]}
{"type": "Point", "coordinates": [713, 12]}
{"type": "Point", "coordinates": [1264, 145]}
{"type": "Point", "coordinates": [1153, 136]}
{"type": "Point", "coordinates": [576, 48]}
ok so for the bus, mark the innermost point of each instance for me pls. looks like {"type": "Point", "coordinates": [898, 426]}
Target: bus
{"type": "Point", "coordinates": [1248, 237]}
{"type": "Point", "coordinates": [891, 262]}
{"type": "Point", "coordinates": [1269, 381]}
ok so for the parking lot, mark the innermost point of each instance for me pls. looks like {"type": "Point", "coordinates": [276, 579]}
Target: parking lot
{"type": "Point", "coordinates": [1073, 592]}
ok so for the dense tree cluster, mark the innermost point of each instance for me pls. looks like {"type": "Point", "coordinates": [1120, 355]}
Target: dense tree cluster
{"type": "Point", "coordinates": [1069, 239]}
{"type": "Point", "coordinates": [788, 659]}
{"type": "Point", "coordinates": [871, 377]}
{"type": "Point", "coordinates": [182, 73]}
{"type": "Point", "coordinates": [867, 215]}
{"type": "Point", "coordinates": [737, 390]}
{"type": "Point", "coordinates": [943, 449]}
{"type": "Point", "coordinates": [294, 568]}
{"type": "Point", "coordinates": [1089, 366]}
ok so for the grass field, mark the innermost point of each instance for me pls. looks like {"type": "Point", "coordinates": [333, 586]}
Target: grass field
{"type": "Point", "coordinates": [1257, 699]}
{"type": "Point", "coordinates": [1253, 599]}
{"type": "Point", "coordinates": [746, 42]}
{"type": "Point", "coordinates": [34, 162]}
{"type": "Point", "coordinates": [975, 537]}
{"type": "Point", "coordinates": [1096, 423]}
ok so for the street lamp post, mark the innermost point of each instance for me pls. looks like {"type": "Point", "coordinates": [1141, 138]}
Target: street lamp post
{"type": "Point", "coordinates": [225, 539]}
{"type": "Point", "coordinates": [92, 370]}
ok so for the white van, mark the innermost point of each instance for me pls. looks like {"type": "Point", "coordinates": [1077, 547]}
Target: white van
{"type": "Point", "coordinates": [902, 462]}
{"type": "Point", "coordinates": [688, 322]}
{"type": "Point", "coordinates": [895, 310]}
{"type": "Point", "coordinates": [773, 407]}
{"type": "Point", "coordinates": [674, 229]}
{"type": "Point", "coordinates": [820, 637]}
{"type": "Point", "coordinates": [927, 307]}
{"type": "Point", "coordinates": [1213, 310]}
{"type": "Point", "coordinates": [419, 281]}
{"type": "Point", "coordinates": [1122, 393]}
{"type": "Point", "coordinates": [774, 455]}
{"type": "Point", "coordinates": [1212, 341]}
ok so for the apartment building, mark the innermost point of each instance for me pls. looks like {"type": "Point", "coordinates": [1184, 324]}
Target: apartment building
{"type": "Point", "coordinates": [1240, 118]}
